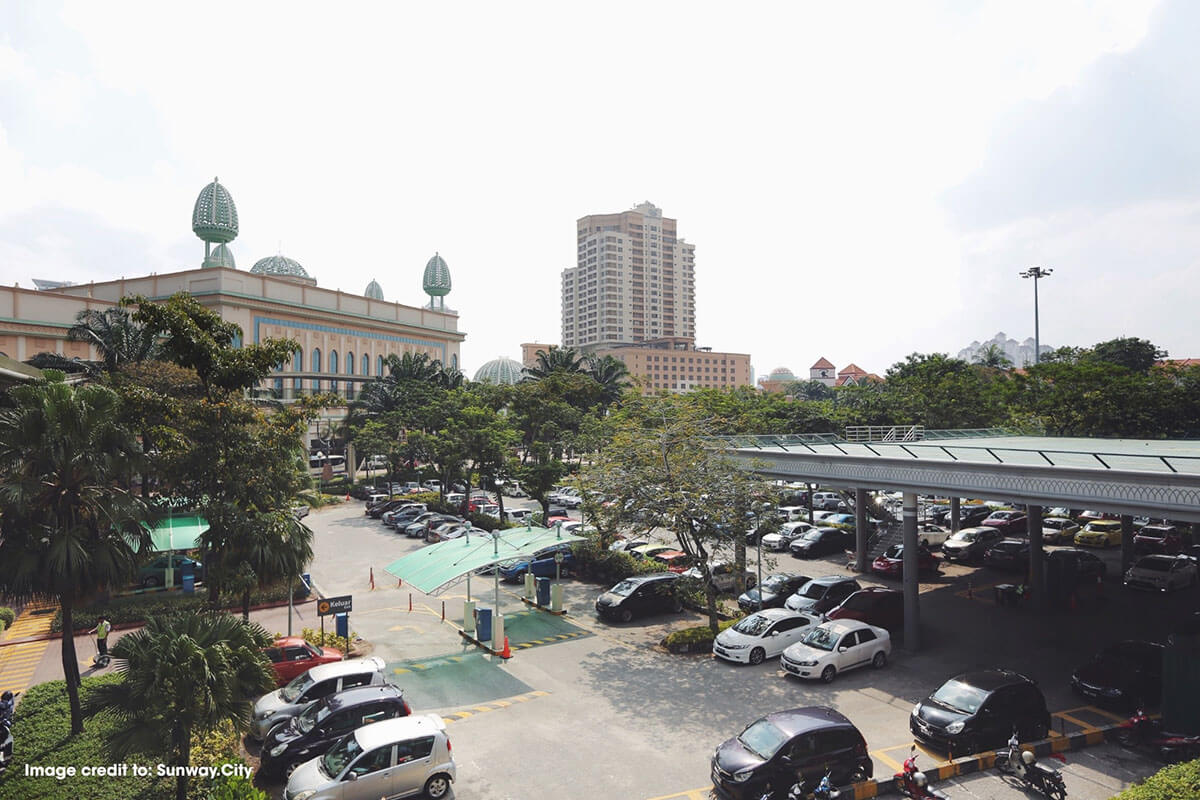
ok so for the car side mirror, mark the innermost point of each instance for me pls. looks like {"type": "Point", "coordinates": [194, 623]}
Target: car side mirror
{"type": "Point", "coordinates": [843, 649]}
{"type": "Point", "coordinates": [353, 776]}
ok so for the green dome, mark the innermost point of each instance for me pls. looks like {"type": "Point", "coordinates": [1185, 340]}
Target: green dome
{"type": "Point", "coordinates": [214, 217]}
{"type": "Point", "coordinates": [281, 266]}
{"type": "Point", "coordinates": [437, 277]}
{"type": "Point", "coordinates": [221, 256]}
{"type": "Point", "coordinates": [374, 290]}
{"type": "Point", "coordinates": [500, 370]}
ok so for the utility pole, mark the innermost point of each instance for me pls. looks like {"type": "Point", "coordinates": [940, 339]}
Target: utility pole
{"type": "Point", "coordinates": [1036, 273]}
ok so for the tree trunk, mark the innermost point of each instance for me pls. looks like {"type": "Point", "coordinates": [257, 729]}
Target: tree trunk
{"type": "Point", "coordinates": [246, 604]}
{"type": "Point", "coordinates": [710, 594]}
{"type": "Point", "coordinates": [183, 741]}
{"type": "Point", "coordinates": [70, 665]}
{"type": "Point", "coordinates": [500, 501]}
{"type": "Point", "coordinates": [212, 578]}
{"type": "Point", "coordinates": [739, 564]}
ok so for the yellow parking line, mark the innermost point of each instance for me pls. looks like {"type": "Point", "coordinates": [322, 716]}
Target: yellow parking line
{"type": "Point", "coordinates": [1087, 726]}
{"type": "Point", "coordinates": [886, 759]}
{"type": "Point", "coordinates": [690, 794]}
{"type": "Point", "coordinates": [1109, 714]}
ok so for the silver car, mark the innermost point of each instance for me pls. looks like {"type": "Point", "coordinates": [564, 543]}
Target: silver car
{"type": "Point", "coordinates": [320, 681]}
{"type": "Point", "coordinates": [394, 758]}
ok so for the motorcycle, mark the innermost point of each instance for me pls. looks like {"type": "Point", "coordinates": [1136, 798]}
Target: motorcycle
{"type": "Point", "coordinates": [1024, 765]}
{"type": "Point", "coordinates": [7, 703]}
{"type": "Point", "coordinates": [1140, 730]}
{"type": "Point", "coordinates": [825, 791]}
{"type": "Point", "coordinates": [911, 782]}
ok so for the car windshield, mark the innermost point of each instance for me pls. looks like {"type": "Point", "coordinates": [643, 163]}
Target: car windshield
{"type": "Point", "coordinates": [965, 536]}
{"type": "Point", "coordinates": [821, 638]}
{"type": "Point", "coordinates": [340, 755]}
{"type": "Point", "coordinates": [895, 551]}
{"type": "Point", "coordinates": [310, 716]}
{"type": "Point", "coordinates": [775, 584]}
{"type": "Point", "coordinates": [813, 590]}
{"type": "Point", "coordinates": [812, 536]}
{"type": "Point", "coordinates": [753, 625]}
{"type": "Point", "coordinates": [960, 696]}
{"type": "Point", "coordinates": [763, 739]}
{"type": "Point", "coordinates": [1154, 564]}
{"type": "Point", "coordinates": [297, 687]}
{"type": "Point", "coordinates": [624, 588]}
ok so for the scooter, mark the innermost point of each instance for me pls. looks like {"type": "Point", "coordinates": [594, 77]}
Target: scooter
{"type": "Point", "coordinates": [825, 791]}
{"type": "Point", "coordinates": [1024, 765]}
{"type": "Point", "coordinates": [1140, 730]}
{"type": "Point", "coordinates": [911, 782]}
{"type": "Point", "coordinates": [101, 660]}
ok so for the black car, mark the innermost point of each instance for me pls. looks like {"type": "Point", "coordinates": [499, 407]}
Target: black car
{"type": "Point", "coordinates": [776, 748]}
{"type": "Point", "coordinates": [1008, 554]}
{"type": "Point", "coordinates": [819, 542]}
{"type": "Point", "coordinates": [1126, 674]}
{"type": "Point", "coordinates": [969, 544]}
{"type": "Point", "coordinates": [967, 515]}
{"type": "Point", "coordinates": [323, 722]}
{"type": "Point", "coordinates": [640, 595]}
{"type": "Point", "coordinates": [1073, 560]}
{"type": "Point", "coordinates": [978, 711]}
{"type": "Point", "coordinates": [376, 511]}
{"type": "Point", "coordinates": [774, 591]}
{"type": "Point", "coordinates": [821, 594]}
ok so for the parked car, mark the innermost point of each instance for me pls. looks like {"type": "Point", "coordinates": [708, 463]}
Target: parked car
{"type": "Point", "coordinates": [979, 710]}
{"type": "Point", "coordinates": [647, 550]}
{"type": "Point", "coordinates": [320, 681]}
{"type": "Point", "coordinates": [300, 510]}
{"type": "Point", "coordinates": [762, 635]}
{"type": "Point", "coordinates": [519, 516]}
{"type": "Point", "coordinates": [932, 535]}
{"type": "Point", "coordinates": [1084, 517]}
{"type": "Point", "coordinates": [640, 595]}
{"type": "Point", "coordinates": [374, 499]}
{"type": "Point", "coordinates": [625, 545]}
{"type": "Point", "coordinates": [323, 722]}
{"type": "Point", "coordinates": [1100, 533]}
{"type": "Point", "coordinates": [1081, 562]}
{"type": "Point", "coordinates": [513, 489]}
{"type": "Point", "coordinates": [821, 594]}
{"type": "Point", "coordinates": [542, 565]}
{"type": "Point", "coordinates": [819, 542]}
{"type": "Point", "coordinates": [1008, 554]}
{"type": "Point", "coordinates": [291, 656]}
{"type": "Point", "coordinates": [1161, 573]}
{"type": "Point", "coordinates": [874, 605]}
{"type": "Point", "coordinates": [1158, 539]}
{"type": "Point", "coordinates": [724, 579]}
{"type": "Point", "coordinates": [834, 647]}
{"type": "Point", "coordinates": [787, 533]}
{"type": "Point", "coordinates": [890, 563]}
{"type": "Point", "coordinates": [416, 527]}
{"type": "Point", "coordinates": [792, 513]}
{"type": "Point", "coordinates": [1007, 522]}
{"type": "Point", "coordinates": [154, 574]}
{"type": "Point", "coordinates": [1126, 675]}
{"type": "Point", "coordinates": [775, 589]}
{"type": "Point", "coordinates": [840, 518]}
{"type": "Point", "coordinates": [674, 560]}
{"type": "Point", "coordinates": [969, 544]}
{"type": "Point", "coordinates": [828, 501]}
{"type": "Point", "coordinates": [776, 749]}
{"type": "Point", "coordinates": [968, 515]}
{"type": "Point", "coordinates": [394, 758]}
{"type": "Point", "coordinates": [1059, 530]}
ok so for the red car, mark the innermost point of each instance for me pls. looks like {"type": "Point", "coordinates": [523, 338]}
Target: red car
{"type": "Point", "coordinates": [891, 563]}
{"type": "Point", "coordinates": [291, 656]}
{"type": "Point", "coordinates": [1158, 539]}
{"type": "Point", "coordinates": [1007, 522]}
{"type": "Point", "coordinates": [674, 560]}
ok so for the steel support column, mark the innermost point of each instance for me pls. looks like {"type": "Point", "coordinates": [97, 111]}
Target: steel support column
{"type": "Point", "coordinates": [955, 504]}
{"type": "Point", "coordinates": [912, 613]}
{"type": "Point", "coordinates": [1126, 542]}
{"type": "Point", "coordinates": [1037, 557]}
{"type": "Point", "coordinates": [860, 530]}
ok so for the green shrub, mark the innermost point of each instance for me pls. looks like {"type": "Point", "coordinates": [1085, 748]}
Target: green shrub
{"type": "Point", "coordinates": [330, 639]}
{"type": "Point", "coordinates": [1176, 782]}
{"type": "Point", "coordinates": [693, 640]}
{"type": "Point", "coordinates": [608, 566]}
{"type": "Point", "coordinates": [235, 787]}
{"type": "Point", "coordinates": [7, 616]}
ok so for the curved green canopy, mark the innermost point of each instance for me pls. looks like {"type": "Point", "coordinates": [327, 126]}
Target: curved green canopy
{"type": "Point", "coordinates": [178, 533]}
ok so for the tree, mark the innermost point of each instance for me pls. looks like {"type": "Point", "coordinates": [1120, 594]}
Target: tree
{"type": "Point", "coordinates": [612, 375]}
{"type": "Point", "coordinates": [1135, 355]}
{"type": "Point", "coordinates": [485, 439]}
{"type": "Point", "coordinates": [183, 673]}
{"type": "Point", "coordinates": [68, 529]}
{"type": "Point", "coordinates": [810, 390]}
{"type": "Point", "coordinates": [556, 359]}
{"type": "Point", "coordinates": [119, 338]}
{"type": "Point", "coordinates": [993, 357]}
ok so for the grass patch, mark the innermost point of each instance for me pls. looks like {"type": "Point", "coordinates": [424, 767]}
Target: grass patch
{"type": "Point", "coordinates": [693, 640]}
{"type": "Point", "coordinates": [1176, 782]}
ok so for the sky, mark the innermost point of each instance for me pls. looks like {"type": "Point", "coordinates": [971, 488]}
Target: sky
{"type": "Point", "coordinates": [861, 181]}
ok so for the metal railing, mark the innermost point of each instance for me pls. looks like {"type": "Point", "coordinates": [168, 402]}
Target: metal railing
{"type": "Point", "coordinates": [885, 433]}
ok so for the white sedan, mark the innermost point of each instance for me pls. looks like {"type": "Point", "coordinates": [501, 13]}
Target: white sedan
{"type": "Point", "coordinates": [836, 646]}
{"type": "Point", "coordinates": [782, 539]}
{"type": "Point", "coordinates": [764, 634]}
{"type": "Point", "coordinates": [1162, 573]}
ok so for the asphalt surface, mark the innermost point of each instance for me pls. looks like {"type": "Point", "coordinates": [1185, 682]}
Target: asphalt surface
{"type": "Point", "coordinates": [590, 709]}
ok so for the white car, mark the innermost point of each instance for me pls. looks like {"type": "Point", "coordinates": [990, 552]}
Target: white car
{"type": "Point", "coordinates": [782, 539]}
{"type": "Point", "coordinates": [1161, 573]}
{"type": "Point", "coordinates": [836, 646]}
{"type": "Point", "coordinates": [762, 635]}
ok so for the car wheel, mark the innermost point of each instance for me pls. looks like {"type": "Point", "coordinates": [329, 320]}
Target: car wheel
{"type": "Point", "coordinates": [626, 615]}
{"type": "Point", "coordinates": [151, 582]}
{"type": "Point", "coordinates": [757, 655]}
{"type": "Point", "coordinates": [880, 660]}
{"type": "Point", "coordinates": [437, 787]}
{"type": "Point", "coordinates": [290, 768]}
{"type": "Point", "coordinates": [828, 674]}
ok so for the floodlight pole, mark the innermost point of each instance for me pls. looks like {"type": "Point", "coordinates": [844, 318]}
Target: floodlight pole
{"type": "Point", "coordinates": [1036, 273]}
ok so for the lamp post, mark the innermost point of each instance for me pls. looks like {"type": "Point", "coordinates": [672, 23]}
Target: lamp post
{"type": "Point", "coordinates": [1036, 273]}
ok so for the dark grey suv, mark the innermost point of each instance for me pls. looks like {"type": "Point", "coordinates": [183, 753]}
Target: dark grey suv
{"type": "Point", "coordinates": [969, 544]}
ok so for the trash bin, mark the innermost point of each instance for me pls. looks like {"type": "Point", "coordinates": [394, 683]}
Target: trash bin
{"type": "Point", "coordinates": [342, 625]}
{"type": "Point", "coordinates": [1006, 595]}
{"type": "Point", "coordinates": [189, 582]}
{"type": "Point", "coordinates": [543, 591]}
{"type": "Point", "coordinates": [483, 624]}
{"type": "Point", "coordinates": [305, 589]}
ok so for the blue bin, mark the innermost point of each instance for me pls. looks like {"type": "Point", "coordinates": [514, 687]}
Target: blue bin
{"type": "Point", "coordinates": [189, 582]}
{"type": "Point", "coordinates": [306, 589]}
{"type": "Point", "coordinates": [483, 624]}
{"type": "Point", "coordinates": [543, 591]}
{"type": "Point", "coordinates": [342, 624]}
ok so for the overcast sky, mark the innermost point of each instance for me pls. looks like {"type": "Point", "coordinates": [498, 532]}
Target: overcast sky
{"type": "Point", "coordinates": [861, 181]}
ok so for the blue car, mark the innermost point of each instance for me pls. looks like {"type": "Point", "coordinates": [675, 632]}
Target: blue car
{"type": "Point", "coordinates": [541, 565]}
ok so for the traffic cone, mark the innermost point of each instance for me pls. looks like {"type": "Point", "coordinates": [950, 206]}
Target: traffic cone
{"type": "Point", "coordinates": [506, 652]}
{"type": "Point", "coordinates": [347, 497]}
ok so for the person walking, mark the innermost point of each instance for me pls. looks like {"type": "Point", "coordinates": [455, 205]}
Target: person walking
{"type": "Point", "coordinates": [103, 626]}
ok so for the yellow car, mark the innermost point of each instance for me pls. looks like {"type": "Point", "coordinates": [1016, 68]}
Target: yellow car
{"type": "Point", "coordinates": [1100, 533]}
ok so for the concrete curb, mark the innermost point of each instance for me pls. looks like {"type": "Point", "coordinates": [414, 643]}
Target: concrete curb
{"type": "Point", "coordinates": [981, 762]}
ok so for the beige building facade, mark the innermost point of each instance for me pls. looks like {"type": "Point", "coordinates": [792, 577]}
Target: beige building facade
{"type": "Point", "coordinates": [670, 365]}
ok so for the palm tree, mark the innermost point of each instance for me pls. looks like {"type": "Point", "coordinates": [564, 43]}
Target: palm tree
{"type": "Point", "coordinates": [68, 529]}
{"type": "Point", "coordinates": [556, 359]}
{"type": "Point", "coordinates": [115, 334]}
{"type": "Point", "coordinates": [251, 549]}
{"type": "Point", "coordinates": [994, 357]}
{"type": "Point", "coordinates": [183, 673]}
{"type": "Point", "coordinates": [612, 375]}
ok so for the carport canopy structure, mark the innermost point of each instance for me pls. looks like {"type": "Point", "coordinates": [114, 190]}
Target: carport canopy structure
{"type": "Point", "coordinates": [435, 567]}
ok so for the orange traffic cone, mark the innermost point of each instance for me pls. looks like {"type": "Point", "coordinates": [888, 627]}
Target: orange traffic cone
{"type": "Point", "coordinates": [506, 652]}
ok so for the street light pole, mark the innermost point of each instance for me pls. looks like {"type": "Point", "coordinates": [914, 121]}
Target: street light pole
{"type": "Point", "coordinates": [1036, 273]}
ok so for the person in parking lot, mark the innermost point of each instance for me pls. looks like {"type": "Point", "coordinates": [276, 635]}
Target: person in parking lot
{"type": "Point", "coordinates": [103, 626]}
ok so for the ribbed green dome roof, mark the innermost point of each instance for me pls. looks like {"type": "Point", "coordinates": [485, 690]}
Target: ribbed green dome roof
{"type": "Point", "coordinates": [214, 217]}
{"type": "Point", "coordinates": [221, 256]}
{"type": "Point", "coordinates": [500, 370]}
{"type": "Point", "coordinates": [279, 265]}
{"type": "Point", "coordinates": [437, 277]}
{"type": "Point", "coordinates": [374, 290]}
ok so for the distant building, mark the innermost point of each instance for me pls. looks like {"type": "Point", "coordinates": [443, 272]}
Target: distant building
{"type": "Point", "coordinates": [671, 365]}
{"type": "Point", "coordinates": [781, 378]}
{"type": "Point", "coordinates": [823, 371]}
{"type": "Point", "coordinates": [777, 380]}
{"type": "Point", "coordinates": [1019, 353]}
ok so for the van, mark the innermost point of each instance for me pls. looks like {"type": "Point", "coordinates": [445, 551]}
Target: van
{"type": "Point", "coordinates": [792, 513]}
{"type": "Point", "coordinates": [829, 501]}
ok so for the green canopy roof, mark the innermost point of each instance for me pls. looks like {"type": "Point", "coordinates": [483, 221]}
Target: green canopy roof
{"type": "Point", "coordinates": [178, 533]}
{"type": "Point", "coordinates": [432, 568]}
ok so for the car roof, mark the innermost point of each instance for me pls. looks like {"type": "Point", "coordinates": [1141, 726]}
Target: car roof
{"type": "Point", "coordinates": [801, 720]}
{"type": "Point", "coordinates": [389, 731]}
{"type": "Point", "coordinates": [351, 666]}
{"type": "Point", "coordinates": [830, 579]}
{"type": "Point", "coordinates": [653, 576]}
{"type": "Point", "coordinates": [1158, 528]}
{"type": "Point", "coordinates": [878, 590]}
{"type": "Point", "coordinates": [1158, 557]}
{"type": "Point", "coordinates": [841, 626]}
{"type": "Point", "coordinates": [289, 641]}
{"type": "Point", "coordinates": [991, 679]}
{"type": "Point", "coordinates": [774, 614]}
{"type": "Point", "coordinates": [1105, 523]}
{"type": "Point", "coordinates": [361, 694]}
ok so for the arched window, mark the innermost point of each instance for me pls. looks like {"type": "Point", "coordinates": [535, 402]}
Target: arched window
{"type": "Point", "coordinates": [366, 364]}
{"type": "Point", "coordinates": [316, 359]}
{"type": "Point", "coordinates": [333, 361]}
{"type": "Point", "coordinates": [349, 363]}
{"type": "Point", "coordinates": [454, 361]}
{"type": "Point", "coordinates": [298, 362]}
{"type": "Point", "coordinates": [378, 365]}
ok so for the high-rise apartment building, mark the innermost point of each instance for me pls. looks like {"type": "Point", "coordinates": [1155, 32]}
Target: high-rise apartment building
{"type": "Point", "coordinates": [634, 281]}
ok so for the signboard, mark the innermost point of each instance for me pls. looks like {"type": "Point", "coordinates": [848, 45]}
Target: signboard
{"type": "Point", "coordinates": [334, 605]}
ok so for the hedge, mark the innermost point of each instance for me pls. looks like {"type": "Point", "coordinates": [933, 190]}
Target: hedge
{"type": "Point", "coordinates": [1176, 782]}
{"type": "Point", "coordinates": [693, 640]}
{"type": "Point", "coordinates": [7, 616]}
{"type": "Point", "coordinates": [609, 566]}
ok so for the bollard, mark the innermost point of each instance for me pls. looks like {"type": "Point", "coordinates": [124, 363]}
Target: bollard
{"type": "Point", "coordinates": [529, 584]}
{"type": "Point", "coordinates": [556, 591]}
{"type": "Point", "coordinates": [410, 601]}
{"type": "Point", "coordinates": [372, 579]}
{"type": "Point", "coordinates": [443, 611]}
{"type": "Point", "coordinates": [497, 631]}
{"type": "Point", "coordinates": [469, 617]}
